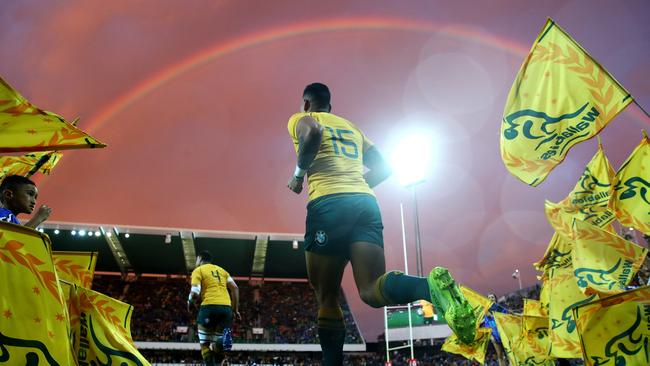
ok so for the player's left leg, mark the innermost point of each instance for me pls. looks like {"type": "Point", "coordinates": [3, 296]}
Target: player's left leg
{"type": "Point", "coordinates": [223, 318]}
{"type": "Point", "coordinates": [208, 335]}
{"type": "Point", "coordinates": [325, 273]}
{"type": "Point", "coordinates": [377, 288]}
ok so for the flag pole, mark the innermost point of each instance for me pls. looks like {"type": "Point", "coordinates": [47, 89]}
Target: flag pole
{"type": "Point", "coordinates": [641, 108]}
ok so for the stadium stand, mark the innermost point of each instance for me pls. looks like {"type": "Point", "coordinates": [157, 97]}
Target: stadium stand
{"type": "Point", "coordinates": [277, 304]}
{"type": "Point", "coordinates": [160, 313]}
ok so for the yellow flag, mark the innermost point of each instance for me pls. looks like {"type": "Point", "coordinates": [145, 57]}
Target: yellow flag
{"type": "Point", "coordinates": [558, 254]}
{"type": "Point", "coordinates": [25, 127]}
{"type": "Point", "coordinates": [565, 295]}
{"type": "Point", "coordinates": [28, 164]}
{"type": "Point", "coordinates": [33, 318]}
{"type": "Point", "coordinates": [589, 200]}
{"type": "Point", "coordinates": [593, 191]}
{"type": "Point", "coordinates": [534, 344]}
{"type": "Point", "coordinates": [101, 328]}
{"type": "Point", "coordinates": [534, 308]}
{"type": "Point", "coordinates": [560, 295]}
{"type": "Point", "coordinates": [616, 330]}
{"type": "Point", "coordinates": [544, 295]}
{"type": "Point", "coordinates": [603, 262]}
{"type": "Point", "coordinates": [479, 303]}
{"type": "Point", "coordinates": [632, 199]}
{"type": "Point", "coordinates": [473, 351]}
{"type": "Point", "coordinates": [509, 327]}
{"type": "Point", "coordinates": [76, 267]}
{"type": "Point", "coordinates": [560, 97]}
{"type": "Point", "coordinates": [523, 345]}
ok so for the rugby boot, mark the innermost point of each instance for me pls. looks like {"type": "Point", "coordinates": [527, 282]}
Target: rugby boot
{"type": "Point", "coordinates": [451, 304]}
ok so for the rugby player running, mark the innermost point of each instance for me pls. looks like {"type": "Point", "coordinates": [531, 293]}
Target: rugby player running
{"type": "Point", "coordinates": [344, 225]}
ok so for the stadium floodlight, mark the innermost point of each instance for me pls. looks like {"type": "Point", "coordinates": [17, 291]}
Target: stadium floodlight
{"type": "Point", "coordinates": [411, 159]}
{"type": "Point", "coordinates": [108, 233]}
{"type": "Point", "coordinates": [73, 232]}
{"type": "Point", "coordinates": [82, 232]}
{"type": "Point", "coordinates": [56, 231]}
{"type": "Point", "coordinates": [127, 235]}
{"type": "Point", "coordinates": [97, 233]}
{"type": "Point", "coordinates": [516, 275]}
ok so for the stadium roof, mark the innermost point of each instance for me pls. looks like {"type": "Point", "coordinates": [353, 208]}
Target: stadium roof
{"type": "Point", "coordinates": [173, 250]}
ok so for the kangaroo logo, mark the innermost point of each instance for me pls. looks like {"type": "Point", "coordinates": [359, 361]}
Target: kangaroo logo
{"type": "Point", "coordinates": [587, 196]}
{"type": "Point", "coordinates": [627, 343]}
{"type": "Point", "coordinates": [559, 259]}
{"type": "Point", "coordinates": [598, 277]}
{"type": "Point", "coordinates": [634, 186]}
{"type": "Point", "coordinates": [541, 332]}
{"type": "Point", "coordinates": [567, 315]}
{"type": "Point", "coordinates": [110, 353]}
{"type": "Point", "coordinates": [589, 182]}
{"type": "Point", "coordinates": [32, 358]}
{"type": "Point", "coordinates": [536, 125]}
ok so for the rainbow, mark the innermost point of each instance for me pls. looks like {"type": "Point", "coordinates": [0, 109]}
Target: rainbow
{"type": "Point", "coordinates": [222, 49]}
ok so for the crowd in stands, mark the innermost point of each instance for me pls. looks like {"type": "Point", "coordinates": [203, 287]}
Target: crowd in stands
{"type": "Point", "coordinates": [284, 312]}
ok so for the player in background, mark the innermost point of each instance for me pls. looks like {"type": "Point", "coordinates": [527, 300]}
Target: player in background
{"type": "Point", "coordinates": [218, 295]}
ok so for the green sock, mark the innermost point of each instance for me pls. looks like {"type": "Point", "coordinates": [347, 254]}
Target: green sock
{"type": "Point", "coordinates": [331, 331]}
{"type": "Point", "coordinates": [398, 288]}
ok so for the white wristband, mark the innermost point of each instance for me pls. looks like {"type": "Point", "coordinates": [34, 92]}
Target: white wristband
{"type": "Point", "coordinates": [299, 172]}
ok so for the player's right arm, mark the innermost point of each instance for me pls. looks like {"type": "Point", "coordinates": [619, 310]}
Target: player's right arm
{"type": "Point", "coordinates": [234, 297]}
{"type": "Point", "coordinates": [378, 168]}
{"type": "Point", "coordinates": [195, 290]}
{"type": "Point", "coordinates": [309, 134]}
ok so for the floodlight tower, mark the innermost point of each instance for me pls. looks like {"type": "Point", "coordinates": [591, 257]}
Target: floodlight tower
{"type": "Point", "coordinates": [410, 162]}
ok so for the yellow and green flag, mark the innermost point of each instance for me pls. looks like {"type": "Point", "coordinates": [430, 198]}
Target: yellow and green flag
{"type": "Point", "coordinates": [560, 97]}
{"type": "Point", "coordinates": [565, 295]}
{"type": "Point", "coordinates": [101, 328]}
{"type": "Point", "coordinates": [28, 164]}
{"type": "Point", "coordinates": [534, 344]}
{"type": "Point", "coordinates": [616, 330]}
{"type": "Point", "coordinates": [33, 318]}
{"type": "Point", "coordinates": [509, 327]}
{"type": "Point", "coordinates": [479, 303]}
{"type": "Point", "coordinates": [589, 200]}
{"type": "Point", "coordinates": [76, 267]}
{"type": "Point", "coordinates": [544, 295]}
{"type": "Point", "coordinates": [558, 255]}
{"type": "Point", "coordinates": [604, 263]}
{"type": "Point", "coordinates": [534, 308]}
{"type": "Point", "coordinates": [473, 351]}
{"type": "Point", "coordinates": [25, 127]}
{"type": "Point", "coordinates": [632, 197]}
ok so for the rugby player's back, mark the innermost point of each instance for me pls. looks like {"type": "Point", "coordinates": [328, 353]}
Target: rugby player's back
{"type": "Point", "coordinates": [213, 280]}
{"type": "Point", "coordinates": [338, 166]}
